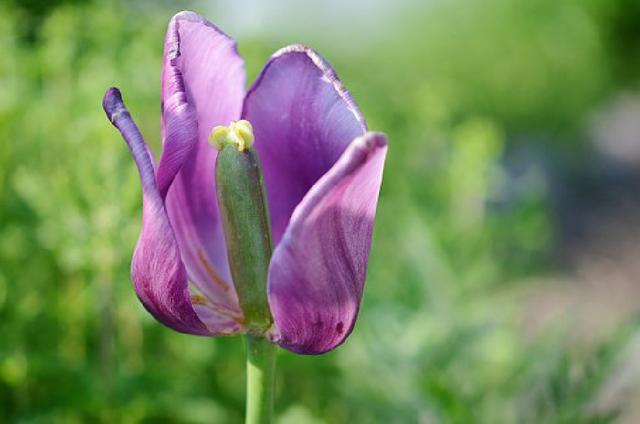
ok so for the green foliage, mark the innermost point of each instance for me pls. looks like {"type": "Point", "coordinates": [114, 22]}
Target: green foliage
{"type": "Point", "coordinates": [440, 337]}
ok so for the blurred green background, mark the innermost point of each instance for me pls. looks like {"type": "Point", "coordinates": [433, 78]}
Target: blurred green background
{"type": "Point", "coordinates": [504, 280]}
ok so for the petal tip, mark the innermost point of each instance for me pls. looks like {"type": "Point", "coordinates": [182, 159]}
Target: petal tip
{"type": "Point", "coordinates": [112, 103]}
{"type": "Point", "coordinates": [316, 57]}
{"type": "Point", "coordinates": [294, 48]}
{"type": "Point", "coordinates": [372, 140]}
{"type": "Point", "coordinates": [187, 15]}
{"type": "Point", "coordinates": [190, 16]}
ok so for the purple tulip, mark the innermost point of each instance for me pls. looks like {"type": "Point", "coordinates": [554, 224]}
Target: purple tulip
{"type": "Point", "coordinates": [322, 172]}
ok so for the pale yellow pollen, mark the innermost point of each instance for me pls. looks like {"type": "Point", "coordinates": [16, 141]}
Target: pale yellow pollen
{"type": "Point", "coordinates": [238, 133]}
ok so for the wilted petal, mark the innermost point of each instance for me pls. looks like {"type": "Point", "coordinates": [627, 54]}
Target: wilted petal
{"type": "Point", "coordinates": [303, 119]}
{"type": "Point", "coordinates": [318, 270]}
{"type": "Point", "coordinates": [157, 270]}
{"type": "Point", "coordinates": [202, 86]}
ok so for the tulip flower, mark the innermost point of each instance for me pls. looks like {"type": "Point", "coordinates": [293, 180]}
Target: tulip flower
{"type": "Point", "coordinates": [288, 164]}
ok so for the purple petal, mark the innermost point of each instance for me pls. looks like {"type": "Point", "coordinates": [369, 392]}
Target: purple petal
{"type": "Point", "coordinates": [318, 270]}
{"type": "Point", "coordinates": [202, 86]}
{"type": "Point", "coordinates": [157, 270]}
{"type": "Point", "coordinates": [303, 120]}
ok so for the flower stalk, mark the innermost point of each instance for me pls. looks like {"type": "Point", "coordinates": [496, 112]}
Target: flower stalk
{"type": "Point", "coordinates": [261, 365]}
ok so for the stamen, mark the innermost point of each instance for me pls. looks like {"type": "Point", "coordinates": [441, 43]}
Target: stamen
{"type": "Point", "coordinates": [238, 134]}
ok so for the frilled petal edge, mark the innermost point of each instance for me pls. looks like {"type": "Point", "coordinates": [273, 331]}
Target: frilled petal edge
{"type": "Point", "coordinates": [157, 271]}
{"type": "Point", "coordinates": [318, 269]}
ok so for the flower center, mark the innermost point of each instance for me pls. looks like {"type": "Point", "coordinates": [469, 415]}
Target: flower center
{"type": "Point", "coordinates": [238, 134]}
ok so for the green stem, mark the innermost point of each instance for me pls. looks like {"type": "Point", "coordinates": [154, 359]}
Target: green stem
{"type": "Point", "coordinates": [261, 365]}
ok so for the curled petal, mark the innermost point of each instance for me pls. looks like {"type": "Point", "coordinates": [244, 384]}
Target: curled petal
{"type": "Point", "coordinates": [317, 272]}
{"type": "Point", "coordinates": [303, 120]}
{"type": "Point", "coordinates": [202, 86]}
{"type": "Point", "coordinates": [157, 270]}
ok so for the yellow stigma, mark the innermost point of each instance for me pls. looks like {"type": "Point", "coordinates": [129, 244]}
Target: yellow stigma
{"type": "Point", "coordinates": [238, 133]}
